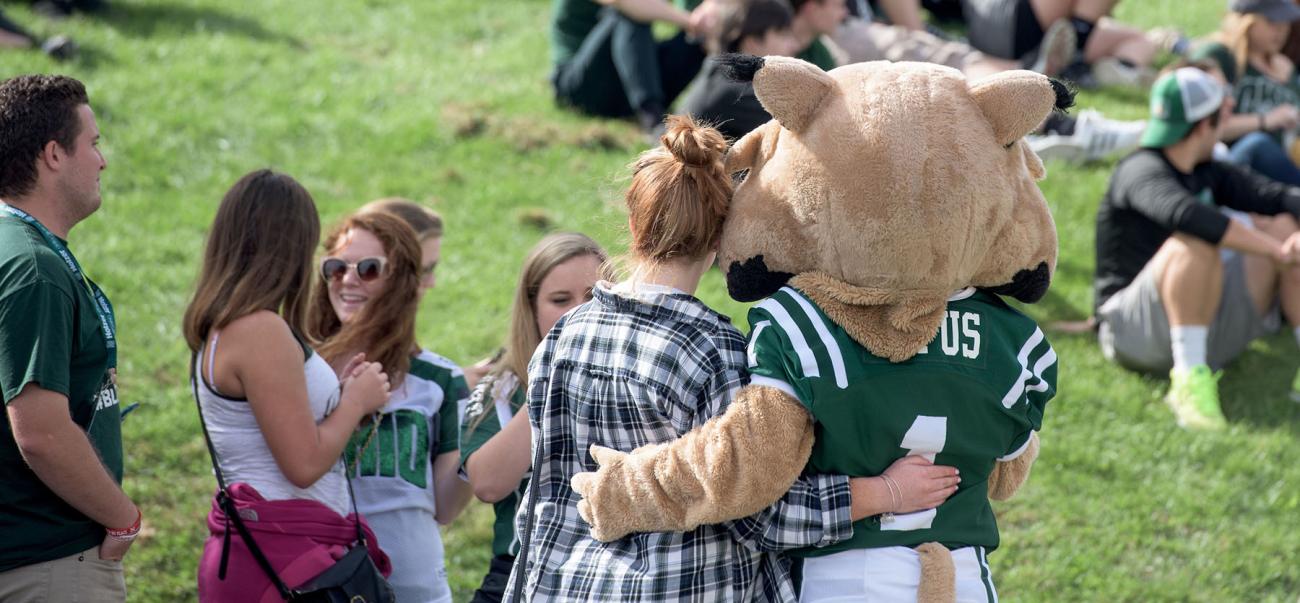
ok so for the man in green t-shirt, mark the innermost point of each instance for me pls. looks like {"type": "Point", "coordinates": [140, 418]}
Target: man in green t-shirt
{"type": "Point", "coordinates": [65, 520]}
{"type": "Point", "coordinates": [608, 63]}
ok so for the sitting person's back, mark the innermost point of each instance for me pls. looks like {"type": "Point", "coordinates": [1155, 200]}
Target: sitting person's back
{"type": "Point", "coordinates": [758, 27]}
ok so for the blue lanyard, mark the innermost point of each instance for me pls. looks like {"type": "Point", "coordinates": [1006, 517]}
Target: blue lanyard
{"type": "Point", "coordinates": [103, 308]}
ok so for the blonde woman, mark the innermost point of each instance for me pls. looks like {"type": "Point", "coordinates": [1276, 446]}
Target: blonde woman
{"type": "Point", "coordinates": [558, 275]}
{"type": "Point", "coordinates": [1248, 51]}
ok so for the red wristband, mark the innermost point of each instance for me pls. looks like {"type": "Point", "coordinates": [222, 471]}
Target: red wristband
{"type": "Point", "coordinates": [128, 532]}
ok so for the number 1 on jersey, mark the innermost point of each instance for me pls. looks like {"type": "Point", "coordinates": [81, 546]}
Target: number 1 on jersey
{"type": "Point", "coordinates": [926, 437]}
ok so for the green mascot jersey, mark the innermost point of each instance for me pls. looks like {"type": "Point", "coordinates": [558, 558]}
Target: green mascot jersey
{"type": "Point", "coordinates": [972, 397]}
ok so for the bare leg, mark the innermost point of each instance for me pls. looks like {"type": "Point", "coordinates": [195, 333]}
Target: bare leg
{"type": "Point", "coordinates": [1263, 278]}
{"type": "Point", "coordinates": [984, 65]}
{"type": "Point", "coordinates": [1048, 11]}
{"type": "Point", "coordinates": [1112, 39]}
{"type": "Point", "coordinates": [904, 13]}
{"type": "Point", "coordinates": [1191, 280]}
{"type": "Point", "coordinates": [13, 40]}
{"type": "Point", "coordinates": [1093, 10]}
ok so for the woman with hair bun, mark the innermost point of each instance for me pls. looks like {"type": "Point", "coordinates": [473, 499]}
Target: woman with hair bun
{"type": "Point", "coordinates": [643, 363]}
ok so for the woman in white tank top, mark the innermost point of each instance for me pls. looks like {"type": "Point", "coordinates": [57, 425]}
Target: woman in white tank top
{"type": "Point", "coordinates": [277, 415]}
{"type": "Point", "coordinates": [242, 450]}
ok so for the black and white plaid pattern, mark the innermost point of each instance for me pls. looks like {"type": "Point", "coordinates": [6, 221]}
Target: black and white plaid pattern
{"type": "Point", "coordinates": [622, 373]}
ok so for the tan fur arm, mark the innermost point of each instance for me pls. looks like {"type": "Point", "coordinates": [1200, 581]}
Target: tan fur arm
{"type": "Point", "coordinates": [1007, 477]}
{"type": "Point", "coordinates": [733, 466]}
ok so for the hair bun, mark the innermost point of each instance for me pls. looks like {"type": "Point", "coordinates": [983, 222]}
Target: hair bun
{"type": "Point", "coordinates": [692, 144]}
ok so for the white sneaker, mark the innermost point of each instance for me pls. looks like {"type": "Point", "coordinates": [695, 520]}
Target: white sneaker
{"type": "Point", "coordinates": [1094, 138]}
{"type": "Point", "coordinates": [1111, 71]}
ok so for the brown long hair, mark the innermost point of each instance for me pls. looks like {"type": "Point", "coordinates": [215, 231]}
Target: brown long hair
{"type": "Point", "coordinates": [679, 194]}
{"type": "Point", "coordinates": [385, 327]}
{"type": "Point", "coordinates": [258, 256]}
{"type": "Point", "coordinates": [522, 340]}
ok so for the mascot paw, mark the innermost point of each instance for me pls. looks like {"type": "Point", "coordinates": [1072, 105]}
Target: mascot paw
{"type": "Point", "coordinates": [604, 505]}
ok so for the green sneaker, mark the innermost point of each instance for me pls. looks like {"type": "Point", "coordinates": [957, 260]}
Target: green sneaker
{"type": "Point", "coordinates": [1295, 388]}
{"type": "Point", "coordinates": [1194, 396]}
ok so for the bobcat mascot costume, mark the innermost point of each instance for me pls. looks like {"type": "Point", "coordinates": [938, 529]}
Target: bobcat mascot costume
{"type": "Point", "coordinates": [885, 210]}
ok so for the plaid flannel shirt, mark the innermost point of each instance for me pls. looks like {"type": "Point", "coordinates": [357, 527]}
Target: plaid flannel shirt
{"type": "Point", "coordinates": [623, 372]}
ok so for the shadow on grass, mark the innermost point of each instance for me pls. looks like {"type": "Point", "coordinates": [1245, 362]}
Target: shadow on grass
{"type": "Point", "coordinates": [1254, 389]}
{"type": "Point", "coordinates": [151, 20]}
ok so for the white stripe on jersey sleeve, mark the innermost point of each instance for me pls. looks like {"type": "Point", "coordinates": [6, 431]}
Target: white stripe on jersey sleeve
{"type": "Point", "coordinates": [807, 359]}
{"type": "Point", "coordinates": [1047, 360]}
{"type": "Point", "coordinates": [752, 351]}
{"type": "Point", "coordinates": [832, 347]}
{"type": "Point", "coordinates": [1018, 388]}
{"type": "Point", "coordinates": [1019, 451]}
{"type": "Point", "coordinates": [777, 383]}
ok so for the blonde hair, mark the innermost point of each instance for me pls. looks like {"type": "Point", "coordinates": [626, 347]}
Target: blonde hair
{"type": "Point", "coordinates": [523, 338]}
{"type": "Point", "coordinates": [1235, 35]}
{"type": "Point", "coordinates": [426, 223]}
{"type": "Point", "coordinates": [679, 194]}
{"type": "Point", "coordinates": [551, 251]}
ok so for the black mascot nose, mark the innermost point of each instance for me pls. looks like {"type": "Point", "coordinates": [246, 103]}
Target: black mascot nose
{"type": "Point", "coordinates": [751, 280]}
{"type": "Point", "coordinates": [1028, 286]}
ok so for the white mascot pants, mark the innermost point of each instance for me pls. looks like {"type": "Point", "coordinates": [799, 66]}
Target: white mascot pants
{"type": "Point", "coordinates": [890, 575]}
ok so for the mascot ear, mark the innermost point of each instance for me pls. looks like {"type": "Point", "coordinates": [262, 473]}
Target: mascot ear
{"type": "Point", "coordinates": [1015, 102]}
{"type": "Point", "coordinates": [743, 155]}
{"type": "Point", "coordinates": [791, 90]}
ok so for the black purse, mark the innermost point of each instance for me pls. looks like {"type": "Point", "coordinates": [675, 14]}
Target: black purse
{"type": "Point", "coordinates": [352, 579]}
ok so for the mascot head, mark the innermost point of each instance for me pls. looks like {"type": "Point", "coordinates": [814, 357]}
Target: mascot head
{"type": "Point", "coordinates": [889, 186]}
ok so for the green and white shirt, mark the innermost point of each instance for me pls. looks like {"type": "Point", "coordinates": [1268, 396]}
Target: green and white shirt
{"type": "Point", "coordinates": [50, 335]}
{"type": "Point", "coordinates": [494, 402]}
{"type": "Point", "coordinates": [419, 423]}
{"type": "Point", "coordinates": [971, 397]}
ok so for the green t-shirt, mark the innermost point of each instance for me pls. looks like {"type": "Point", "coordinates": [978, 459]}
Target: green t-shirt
{"type": "Point", "coordinates": [49, 335]}
{"type": "Point", "coordinates": [973, 396]}
{"type": "Point", "coordinates": [817, 54]}
{"type": "Point", "coordinates": [493, 403]}
{"type": "Point", "coordinates": [571, 21]}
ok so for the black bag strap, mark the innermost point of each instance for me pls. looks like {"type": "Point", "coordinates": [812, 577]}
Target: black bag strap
{"type": "Point", "coordinates": [521, 560]}
{"type": "Point", "coordinates": [227, 504]}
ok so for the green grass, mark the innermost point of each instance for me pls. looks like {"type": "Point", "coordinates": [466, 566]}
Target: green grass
{"type": "Point", "coordinates": [447, 102]}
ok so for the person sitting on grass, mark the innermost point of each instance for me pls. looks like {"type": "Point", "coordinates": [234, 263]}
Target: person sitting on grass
{"type": "Point", "coordinates": [1248, 51]}
{"type": "Point", "coordinates": [757, 27]}
{"type": "Point", "coordinates": [1167, 296]}
{"type": "Point", "coordinates": [608, 63]}
{"type": "Point", "coordinates": [1109, 53]}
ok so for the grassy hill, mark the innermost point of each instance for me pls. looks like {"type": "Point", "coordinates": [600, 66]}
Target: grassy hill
{"type": "Point", "coordinates": [447, 102]}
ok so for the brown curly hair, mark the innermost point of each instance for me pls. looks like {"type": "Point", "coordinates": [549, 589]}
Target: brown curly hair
{"type": "Point", "coordinates": [35, 109]}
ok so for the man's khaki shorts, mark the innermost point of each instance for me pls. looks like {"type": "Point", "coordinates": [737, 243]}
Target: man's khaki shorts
{"type": "Point", "coordinates": [83, 578]}
{"type": "Point", "coordinates": [1134, 329]}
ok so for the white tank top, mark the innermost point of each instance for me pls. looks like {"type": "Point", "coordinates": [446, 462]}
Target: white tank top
{"type": "Point", "coordinates": [242, 451]}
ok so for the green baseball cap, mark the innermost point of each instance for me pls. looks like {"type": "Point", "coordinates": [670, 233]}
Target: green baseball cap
{"type": "Point", "coordinates": [1179, 100]}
